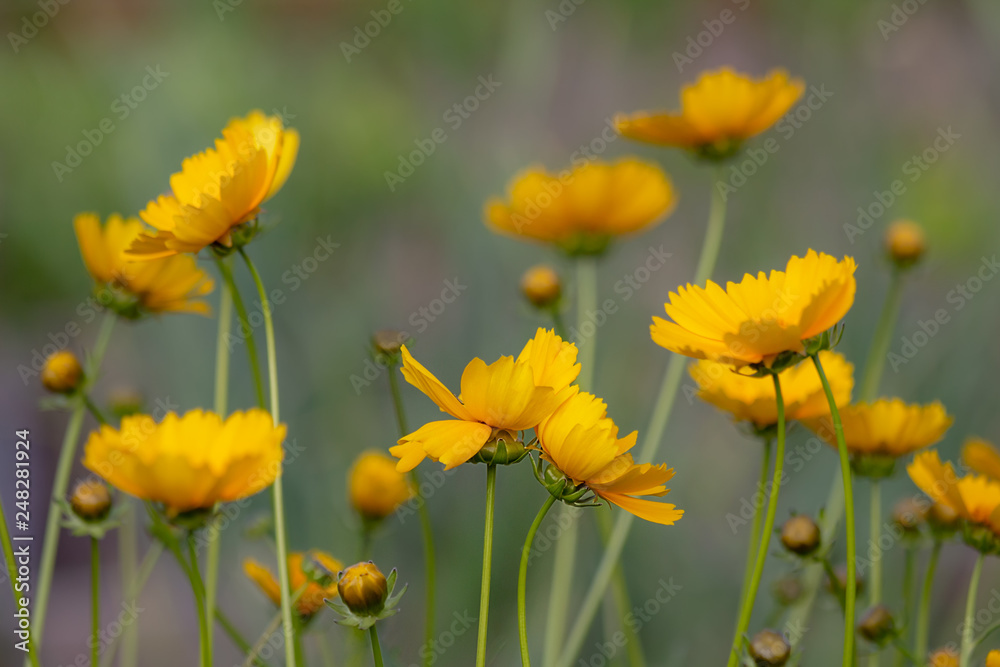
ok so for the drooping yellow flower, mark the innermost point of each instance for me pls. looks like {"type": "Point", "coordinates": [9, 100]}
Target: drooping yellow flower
{"type": "Point", "coordinates": [506, 396]}
{"type": "Point", "coordinates": [220, 188]}
{"type": "Point", "coordinates": [311, 599]}
{"type": "Point", "coordinates": [751, 399]}
{"type": "Point", "coordinates": [993, 659]}
{"type": "Point", "coordinates": [582, 443]}
{"type": "Point", "coordinates": [982, 457]}
{"type": "Point", "coordinates": [974, 498]}
{"type": "Point", "coordinates": [755, 320]}
{"type": "Point", "coordinates": [718, 112]}
{"type": "Point", "coordinates": [169, 284]}
{"type": "Point", "coordinates": [887, 427]}
{"type": "Point", "coordinates": [583, 208]}
{"type": "Point", "coordinates": [375, 487]}
{"type": "Point", "coordinates": [189, 462]}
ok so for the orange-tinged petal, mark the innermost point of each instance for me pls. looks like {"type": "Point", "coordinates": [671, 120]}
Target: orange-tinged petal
{"type": "Point", "coordinates": [424, 380]}
{"type": "Point", "coordinates": [452, 442]}
{"type": "Point", "coordinates": [650, 510]}
{"type": "Point", "coordinates": [982, 457]}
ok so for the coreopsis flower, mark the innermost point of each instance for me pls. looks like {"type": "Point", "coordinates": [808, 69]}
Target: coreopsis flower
{"type": "Point", "coordinates": [905, 242]}
{"type": "Point", "coordinates": [541, 286]}
{"type": "Point", "coordinates": [582, 209]}
{"type": "Point", "coordinates": [752, 399]}
{"type": "Point", "coordinates": [375, 487]}
{"type": "Point", "coordinates": [497, 401]}
{"type": "Point", "coordinates": [302, 572]}
{"type": "Point", "coordinates": [366, 595]}
{"type": "Point", "coordinates": [876, 434]}
{"type": "Point", "coordinates": [760, 318]}
{"type": "Point", "coordinates": [974, 498]}
{"type": "Point", "coordinates": [587, 457]}
{"type": "Point", "coordinates": [61, 372]}
{"type": "Point", "coordinates": [718, 113]}
{"type": "Point", "coordinates": [993, 659]}
{"type": "Point", "coordinates": [188, 462]}
{"type": "Point", "coordinates": [169, 284]}
{"type": "Point", "coordinates": [982, 457]}
{"type": "Point", "coordinates": [220, 189]}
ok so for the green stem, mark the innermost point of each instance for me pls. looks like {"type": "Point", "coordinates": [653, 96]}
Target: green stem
{"type": "Point", "coordinates": [241, 312]}
{"type": "Point", "coordinates": [235, 636]}
{"type": "Point", "coordinates": [903, 653]}
{"type": "Point", "coordinates": [662, 408]}
{"type": "Point", "coordinates": [93, 409]}
{"type": "Point", "coordinates": [875, 532]}
{"type": "Point", "coordinates": [376, 648]}
{"type": "Point", "coordinates": [619, 585]}
{"type": "Point", "coordinates": [772, 508]}
{"type": "Point", "coordinates": [586, 285]}
{"type": "Point", "coordinates": [558, 325]}
{"type": "Point", "coordinates": [221, 400]}
{"type": "Point", "coordinates": [904, 616]}
{"type": "Point", "coordinates": [280, 538]}
{"type": "Point", "coordinates": [64, 467]}
{"type": "Point", "coordinates": [127, 556]}
{"type": "Point", "coordinates": [253, 657]}
{"type": "Point", "coordinates": [875, 363]}
{"type": "Point", "coordinates": [831, 575]}
{"type": "Point", "coordinates": [522, 580]}
{"type": "Point", "coordinates": [134, 591]}
{"type": "Point", "coordinates": [757, 516]}
{"type": "Point", "coordinates": [95, 600]}
{"type": "Point", "coordinates": [970, 613]}
{"type": "Point", "coordinates": [484, 593]}
{"type": "Point", "coordinates": [851, 590]}
{"type": "Point", "coordinates": [924, 611]}
{"type": "Point", "coordinates": [11, 567]}
{"type": "Point", "coordinates": [199, 599]}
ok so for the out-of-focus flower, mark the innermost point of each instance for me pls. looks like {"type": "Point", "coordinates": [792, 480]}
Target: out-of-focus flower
{"type": "Point", "coordinates": [318, 585]}
{"type": "Point", "coordinates": [993, 659]}
{"type": "Point", "coordinates": [190, 462]}
{"type": "Point", "coordinates": [905, 241]}
{"type": "Point", "coordinates": [943, 657]}
{"type": "Point", "coordinates": [220, 189]}
{"type": "Point", "coordinates": [170, 284]}
{"type": "Point", "coordinates": [90, 500]}
{"type": "Point", "coordinates": [375, 487]}
{"type": "Point", "coordinates": [582, 444]}
{"type": "Point", "coordinates": [877, 625]}
{"type": "Point", "coordinates": [758, 319]}
{"type": "Point", "coordinates": [582, 209]}
{"type": "Point", "coordinates": [982, 457]}
{"type": "Point", "coordinates": [800, 535]}
{"type": "Point", "coordinates": [718, 113]}
{"type": "Point", "coordinates": [62, 372]}
{"type": "Point", "coordinates": [497, 401]}
{"type": "Point", "coordinates": [541, 286]}
{"type": "Point", "coordinates": [752, 399]}
{"type": "Point", "coordinates": [769, 649]}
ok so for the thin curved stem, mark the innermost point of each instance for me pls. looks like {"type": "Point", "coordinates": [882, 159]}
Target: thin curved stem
{"type": "Point", "coordinates": [95, 600]}
{"type": "Point", "coordinates": [376, 647]}
{"type": "Point", "coordinates": [64, 467]}
{"type": "Point", "coordinates": [234, 634]}
{"type": "Point", "coordinates": [241, 312]}
{"type": "Point", "coordinates": [851, 589]}
{"type": "Point", "coordinates": [253, 657]}
{"type": "Point", "coordinates": [757, 517]}
{"type": "Point", "coordinates": [484, 592]}
{"type": "Point", "coordinates": [658, 420]}
{"type": "Point", "coordinates": [970, 613]}
{"type": "Point", "coordinates": [198, 588]}
{"type": "Point", "coordinates": [522, 580]}
{"type": "Point", "coordinates": [772, 508]}
{"type": "Point", "coordinates": [924, 611]}
{"type": "Point", "coordinates": [277, 493]}
{"type": "Point", "coordinates": [94, 411]}
{"type": "Point", "coordinates": [875, 532]}
{"type": "Point", "coordinates": [875, 363]}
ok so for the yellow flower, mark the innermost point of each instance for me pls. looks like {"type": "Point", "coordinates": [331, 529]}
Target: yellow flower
{"type": "Point", "coordinates": [61, 372]}
{"type": "Point", "coordinates": [582, 443]}
{"type": "Point", "coordinates": [220, 188]}
{"type": "Point", "coordinates": [974, 498]}
{"type": "Point", "coordinates": [905, 240]}
{"type": "Point", "coordinates": [752, 399]}
{"type": "Point", "coordinates": [507, 396]}
{"type": "Point", "coordinates": [311, 599]}
{"type": "Point", "coordinates": [887, 427]}
{"type": "Point", "coordinates": [755, 320]}
{"type": "Point", "coordinates": [189, 462]}
{"type": "Point", "coordinates": [993, 659]}
{"type": "Point", "coordinates": [541, 286]}
{"type": "Point", "coordinates": [375, 487]}
{"type": "Point", "coordinates": [170, 284]}
{"type": "Point", "coordinates": [982, 457]}
{"type": "Point", "coordinates": [718, 112]}
{"type": "Point", "coordinates": [583, 208]}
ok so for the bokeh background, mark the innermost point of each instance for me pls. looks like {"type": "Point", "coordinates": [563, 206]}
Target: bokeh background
{"type": "Point", "coordinates": [898, 73]}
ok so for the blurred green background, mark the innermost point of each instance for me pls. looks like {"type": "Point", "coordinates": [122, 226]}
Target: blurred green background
{"type": "Point", "coordinates": [562, 70]}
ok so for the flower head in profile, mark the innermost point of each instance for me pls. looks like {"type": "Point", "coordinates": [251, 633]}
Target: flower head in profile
{"type": "Point", "coordinates": [718, 113]}
{"type": "Point", "coordinates": [314, 570]}
{"type": "Point", "coordinates": [165, 285]}
{"type": "Point", "coordinates": [582, 209]}
{"type": "Point", "coordinates": [760, 318]}
{"type": "Point", "coordinates": [974, 498]}
{"type": "Point", "coordinates": [751, 399]}
{"type": "Point", "coordinates": [586, 455]}
{"type": "Point", "coordinates": [878, 433]}
{"type": "Point", "coordinates": [497, 401]}
{"type": "Point", "coordinates": [982, 457]}
{"type": "Point", "coordinates": [188, 462]}
{"type": "Point", "coordinates": [375, 487]}
{"type": "Point", "coordinates": [220, 189]}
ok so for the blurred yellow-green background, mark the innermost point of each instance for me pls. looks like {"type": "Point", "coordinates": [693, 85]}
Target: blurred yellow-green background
{"type": "Point", "coordinates": [887, 80]}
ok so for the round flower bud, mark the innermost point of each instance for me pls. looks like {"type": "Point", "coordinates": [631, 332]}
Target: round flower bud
{"type": "Point", "coordinates": [787, 590]}
{"type": "Point", "coordinates": [769, 649]}
{"type": "Point", "coordinates": [62, 372]}
{"type": "Point", "coordinates": [841, 572]}
{"type": "Point", "coordinates": [91, 500]}
{"type": "Point", "coordinates": [905, 242]}
{"type": "Point", "coordinates": [540, 285]}
{"type": "Point", "coordinates": [993, 659]}
{"type": "Point", "coordinates": [909, 514]}
{"type": "Point", "coordinates": [375, 487]}
{"type": "Point", "coordinates": [943, 657]}
{"type": "Point", "coordinates": [877, 624]}
{"type": "Point", "coordinates": [388, 341]}
{"type": "Point", "coordinates": [363, 588]}
{"type": "Point", "coordinates": [800, 535]}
